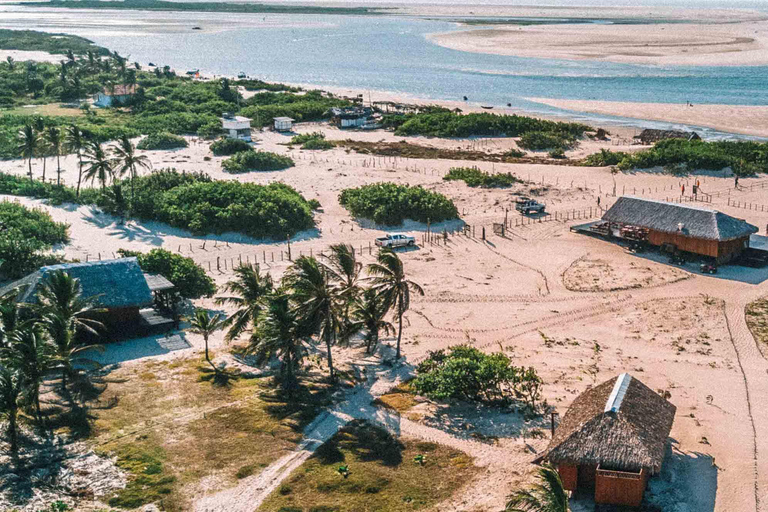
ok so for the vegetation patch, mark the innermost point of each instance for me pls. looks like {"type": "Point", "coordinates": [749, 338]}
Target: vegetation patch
{"type": "Point", "coordinates": [163, 5]}
{"type": "Point", "coordinates": [25, 236]}
{"type": "Point", "coordinates": [188, 277]}
{"type": "Point", "coordinates": [757, 320]}
{"type": "Point", "coordinates": [399, 399]}
{"type": "Point", "coordinates": [541, 140]}
{"type": "Point", "coordinates": [390, 204]}
{"type": "Point", "coordinates": [247, 161]}
{"type": "Point", "coordinates": [364, 468]}
{"type": "Point", "coordinates": [227, 146]}
{"type": "Point", "coordinates": [162, 140]}
{"type": "Point", "coordinates": [306, 106]}
{"type": "Point", "coordinates": [474, 177]}
{"type": "Point", "coordinates": [30, 40]}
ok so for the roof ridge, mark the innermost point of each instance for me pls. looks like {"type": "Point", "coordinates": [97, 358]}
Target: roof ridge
{"type": "Point", "coordinates": [616, 398]}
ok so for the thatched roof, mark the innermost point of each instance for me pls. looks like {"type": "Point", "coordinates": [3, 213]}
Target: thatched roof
{"type": "Point", "coordinates": [650, 135]}
{"type": "Point", "coordinates": [113, 284]}
{"type": "Point", "coordinates": [681, 219]}
{"type": "Point", "coordinates": [120, 90]}
{"type": "Point", "coordinates": [620, 424]}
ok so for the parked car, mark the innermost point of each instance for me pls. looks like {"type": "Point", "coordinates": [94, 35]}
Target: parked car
{"type": "Point", "coordinates": [393, 240]}
{"type": "Point", "coordinates": [529, 206]}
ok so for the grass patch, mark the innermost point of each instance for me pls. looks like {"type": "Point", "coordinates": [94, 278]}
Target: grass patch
{"type": "Point", "coordinates": [756, 315]}
{"type": "Point", "coordinates": [474, 177]}
{"type": "Point", "coordinates": [400, 399]}
{"type": "Point", "coordinates": [382, 475]}
{"type": "Point", "coordinates": [182, 427]}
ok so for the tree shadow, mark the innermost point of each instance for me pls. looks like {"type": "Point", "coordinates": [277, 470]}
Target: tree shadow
{"type": "Point", "coordinates": [297, 406]}
{"type": "Point", "coordinates": [38, 463]}
{"type": "Point", "coordinates": [688, 481]}
{"type": "Point", "coordinates": [367, 442]}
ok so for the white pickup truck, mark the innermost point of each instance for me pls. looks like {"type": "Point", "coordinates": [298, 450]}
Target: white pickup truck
{"type": "Point", "coordinates": [528, 206]}
{"type": "Point", "coordinates": [395, 240]}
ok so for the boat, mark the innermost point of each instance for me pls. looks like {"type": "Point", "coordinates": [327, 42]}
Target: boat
{"type": "Point", "coordinates": [193, 72]}
{"type": "Point", "coordinates": [197, 28]}
{"type": "Point", "coordinates": [241, 75]}
{"type": "Point", "coordinates": [486, 107]}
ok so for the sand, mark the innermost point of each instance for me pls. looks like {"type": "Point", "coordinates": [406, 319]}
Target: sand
{"type": "Point", "coordinates": [22, 55]}
{"type": "Point", "coordinates": [690, 44]}
{"type": "Point", "coordinates": [742, 119]}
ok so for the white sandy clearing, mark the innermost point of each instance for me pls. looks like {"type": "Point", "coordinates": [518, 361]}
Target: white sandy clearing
{"type": "Point", "coordinates": [23, 55]}
{"type": "Point", "coordinates": [737, 44]}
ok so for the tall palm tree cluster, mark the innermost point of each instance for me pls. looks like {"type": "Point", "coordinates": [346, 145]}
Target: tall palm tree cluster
{"type": "Point", "coordinates": [96, 162]}
{"type": "Point", "coordinates": [323, 299]}
{"type": "Point", "coordinates": [41, 342]}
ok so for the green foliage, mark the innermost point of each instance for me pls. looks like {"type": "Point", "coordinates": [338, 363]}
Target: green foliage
{"type": "Point", "coordinates": [25, 236]}
{"type": "Point", "coordinates": [474, 177]}
{"type": "Point", "coordinates": [246, 161]}
{"type": "Point", "coordinates": [318, 144]}
{"type": "Point", "coordinates": [252, 84]}
{"type": "Point", "coordinates": [30, 40]}
{"type": "Point", "coordinates": [390, 204]}
{"type": "Point", "coordinates": [164, 5]}
{"type": "Point", "coordinates": [557, 153]}
{"type": "Point", "coordinates": [311, 106]}
{"type": "Point", "coordinates": [227, 146]}
{"type": "Point", "coordinates": [539, 140]}
{"type": "Point", "coordinates": [190, 279]}
{"type": "Point", "coordinates": [162, 140]}
{"type": "Point", "coordinates": [604, 158]}
{"type": "Point", "coordinates": [149, 481]}
{"type": "Point", "coordinates": [314, 140]}
{"type": "Point", "coordinates": [450, 124]}
{"type": "Point", "coordinates": [209, 130]}
{"type": "Point", "coordinates": [466, 373]}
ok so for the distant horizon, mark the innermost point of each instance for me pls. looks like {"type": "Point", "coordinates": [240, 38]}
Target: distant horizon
{"type": "Point", "coordinates": [690, 4]}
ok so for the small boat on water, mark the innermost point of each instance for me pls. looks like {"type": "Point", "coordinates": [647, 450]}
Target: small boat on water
{"type": "Point", "coordinates": [197, 28]}
{"type": "Point", "coordinates": [241, 74]}
{"type": "Point", "coordinates": [486, 107]}
{"type": "Point", "coordinates": [193, 72]}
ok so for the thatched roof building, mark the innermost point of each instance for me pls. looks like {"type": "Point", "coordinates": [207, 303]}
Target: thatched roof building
{"type": "Point", "coordinates": [621, 424]}
{"type": "Point", "coordinates": [651, 135]}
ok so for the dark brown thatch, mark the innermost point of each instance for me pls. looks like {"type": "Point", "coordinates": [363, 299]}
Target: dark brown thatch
{"type": "Point", "coordinates": [681, 219]}
{"type": "Point", "coordinates": [651, 135]}
{"type": "Point", "coordinates": [628, 437]}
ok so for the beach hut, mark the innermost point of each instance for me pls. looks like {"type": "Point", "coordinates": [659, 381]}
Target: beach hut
{"type": "Point", "coordinates": [612, 440]}
{"type": "Point", "coordinates": [124, 294]}
{"type": "Point", "coordinates": [686, 227]}
{"type": "Point", "coordinates": [283, 124]}
{"type": "Point", "coordinates": [236, 127]}
{"type": "Point", "coordinates": [651, 136]}
{"type": "Point", "coordinates": [116, 95]}
{"type": "Point", "coordinates": [351, 117]}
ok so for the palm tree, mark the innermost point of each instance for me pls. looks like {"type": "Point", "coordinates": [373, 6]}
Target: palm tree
{"type": "Point", "coordinates": [546, 496]}
{"type": "Point", "coordinates": [64, 316]}
{"type": "Point", "coordinates": [11, 63]}
{"type": "Point", "coordinates": [76, 141]}
{"type": "Point", "coordinates": [10, 396]}
{"type": "Point", "coordinates": [344, 269]}
{"type": "Point", "coordinates": [116, 200]}
{"type": "Point", "coordinates": [42, 144]}
{"type": "Point", "coordinates": [128, 161]}
{"type": "Point", "coordinates": [9, 316]}
{"type": "Point", "coordinates": [31, 353]}
{"type": "Point", "coordinates": [53, 138]}
{"type": "Point", "coordinates": [390, 282]}
{"type": "Point", "coordinates": [98, 166]}
{"type": "Point", "coordinates": [247, 292]}
{"type": "Point", "coordinates": [368, 314]}
{"type": "Point", "coordinates": [278, 337]}
{"type": "Point", "coordinates": [27, 147]}
{"type": "Point", "coordinates": [317, 302]}
{"type": "Point", "coordinates": [205, 324]}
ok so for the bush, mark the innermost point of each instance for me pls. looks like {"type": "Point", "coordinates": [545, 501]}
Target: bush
{"type": "Point", "coordinates": [246, 161]}
{"type": "Point", "coordinates": [188, 277]}
{"type": "Point", "coordinates": [466, 373]}
{"type": "Point", "coordinates": [318, 144]}
{"type": "Point", "coordinates": [474, 177]}
{"type": "Point", "coordinates": [538, 140]}
{"type": "Point", "coordinates": [557, 153]}
{"type": "Point", "coordinates": [451, 124]}
{"type": "Point", "coordinates": [210, 130]}
{"type": "Point", "coordinates": [306, 137]}
{"type": "Point", "coordinates": [391, 204]}
{"type": "Point", "coordinates": [226, 147]}
{"type": "Point", "coordinates": [604, 158]}
{"type": "Point", "coordinates": [26, 235]}
{"type": "Point", "coordinates": [162, 140]}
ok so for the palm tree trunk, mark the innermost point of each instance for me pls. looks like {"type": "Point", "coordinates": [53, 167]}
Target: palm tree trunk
{"type": "Point", "coordinates": [58, 170]}
{"type": "Point", "coordinates": [80, 172]}
{"type": "Point", "coordinates": [330, 357]}
{"type": "Point", "coordinates": [399, 331]}
{"type": "Point", "coordinates": [207, 358]}
{"type": "Point", "coordinates": [30, 168]}
{"type": "Point", "coordinates": [44, 159]}
{"type": "Point", "coordinates": [12, 432]}
{"type": "Point", "coordinates": [37, 403]}
{"type": "Point", "coordinates": [133, 177]}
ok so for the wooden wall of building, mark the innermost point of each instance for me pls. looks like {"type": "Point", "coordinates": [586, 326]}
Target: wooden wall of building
{"type": "Point", "coordinates": [569, 474]}
{"type": "Point", "coordinates": [611, 489]}
{"type": "Point", "coordinates": [684, 243]}
{"type": "Point", "coordinates": [731, 249]}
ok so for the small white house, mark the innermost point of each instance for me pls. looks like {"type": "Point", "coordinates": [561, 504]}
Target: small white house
{"type": "Point", "coordinates": [236, 127]}
{"type": "Point", "coordinates": [352, 117]}
{"type": "Point", "coordinates": [283, 124]}
{"type": "Point", "coordinates": [117, 94]}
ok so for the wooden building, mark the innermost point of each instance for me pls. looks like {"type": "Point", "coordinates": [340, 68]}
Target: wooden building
{"type": "Point", "coordinates": [283, 124]}
{"type": "Point", "coordinates": [651, 136]}
{"type": "Point", "coordinates": [352, 117]}
{"type": "Point", "coordinates": [612, 440]}
{"type": "Point", "coordinates": [686, 227]}
{"type": "Point", "coordinates": [117, 287]}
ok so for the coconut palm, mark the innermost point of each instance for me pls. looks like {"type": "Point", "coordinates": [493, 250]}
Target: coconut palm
{"type": "Point", "coordinates": [115, 200]}
{"type": "Point", "coordinates": [205, 324]}
{"type": "Point", "coordinates": [548, 495]}
{"type": "Point", "coordinates": [98, 166]}
{"type": "Point", "coordinates": [10, 396]}
{"type": "Point", "coordinates": [64, 315]}
{"type": "Point", "coordinates": [247, 292]}
{"type": "Point", "coordinates": [390, 282]}
{"type": "Point", "coordinates": [368, 314]}
{"type": "Point", "coordinates": [11, 63]}
{"type": "Point", "coordinates": [128, 161]}
{"type": "Point", "coordinates": [42, 143]}
{"type": "Point", "coordinates": [31, 353]}
{"type": "Point", "coordinates": [278, 337]}
{"type": "Point", "coordinates": [77, 141]}
{"type": "Point", "coordinates": [27, 146]}
{"type": "Point", "coordinates": [316, 301]}
{"type": "Point", "coordinates": [9, 316]}
{"type": "Point", "coordinates": [53, 139]}
{"type": "Point", "coordinates": [344, 270]}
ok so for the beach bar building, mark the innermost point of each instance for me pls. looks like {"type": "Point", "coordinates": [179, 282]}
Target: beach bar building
{"type": "Point", "coordinates": [236, 127]}
{"type": "Point", "coordinates": [352, 117]}
{"type": "Point", "coordinates": [283, 124]}
{"type": "Point", "coordinates": [687, 227]}
{"type": "Point", "coordinates": [124, 294]}
{"type": "Point", "coordinates": [611, 440]}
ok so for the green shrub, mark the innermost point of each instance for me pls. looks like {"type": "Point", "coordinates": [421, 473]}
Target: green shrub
{"type": "Point", "coordinates": [540, 140]}
{"type": "Point", "coordinates": [210, 130]}
{"type": "Point", "coordinates": [474, 177]}
{"type": "Point", "coordinates": [390, 204]}
{"type": "Point", "coordinates": [558, 153]}
{"type": "Point", "coordinates": [188, 277]}
{"type": "Point", "coordinates": [604, 158]}
{"type": "Point", "coordinates": [317, 144]}
{"type": "Point", "coordinates": [25, 237]}
{"type": "Point", "coordinates": [306, 137]}
{"type": "Point", "coordinates": [162, 140]}
{"type": "Point", "coordinates": [247, 161]}
{"type": "Point", "coordinates": [513, 153]}
{"type": "Point", "coordinates": [226, 147]}
{"type": "Point", "coordinates": [451, 124]}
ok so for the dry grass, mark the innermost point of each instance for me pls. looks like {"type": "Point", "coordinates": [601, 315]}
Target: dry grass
{"type": "Point", "coordinates": [383, 475]}
{"type": "Point", "coordinates": [756, 315]}
{"type": "Point", "coordinates": [51, 109]}
{"type": "Point", "coordinates": [174, 426]}
{"type": "Point", "coordinates": [400, 399]}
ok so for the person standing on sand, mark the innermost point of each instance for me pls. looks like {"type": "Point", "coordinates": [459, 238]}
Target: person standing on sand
{"type": "Point", "coordinates": [736, 182]}
{"type": "Point", "coordinates": [683, 191]}
{"type": "Point", "coordinates": [598, 201]}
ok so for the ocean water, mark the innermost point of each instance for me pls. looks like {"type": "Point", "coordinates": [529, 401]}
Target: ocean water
{"type": "Point", "coordinates": [387, 53]}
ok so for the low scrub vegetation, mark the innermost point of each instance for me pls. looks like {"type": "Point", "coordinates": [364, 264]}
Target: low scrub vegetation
{"type": "Point", "coordinates": [162, 140]}
{"type": "Point", "coordinates": [546, 140]}
{"type": "Point", "coordinates": [390, 204]}
{"type": "Point", "coordinates": [757, 320]}
{"type": "Point", "coordinates": [314, 140]}
{"type": "Point", "coordinates": [26, 236]}
{"type": "Point", "coordinates": [466, 373]}
{"type": "Point", "coordinates": [248, 161]}
{"type": "Point", "coordinates": [474, 177]}
{"type": "Point", "coordinates": [227, 146]}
